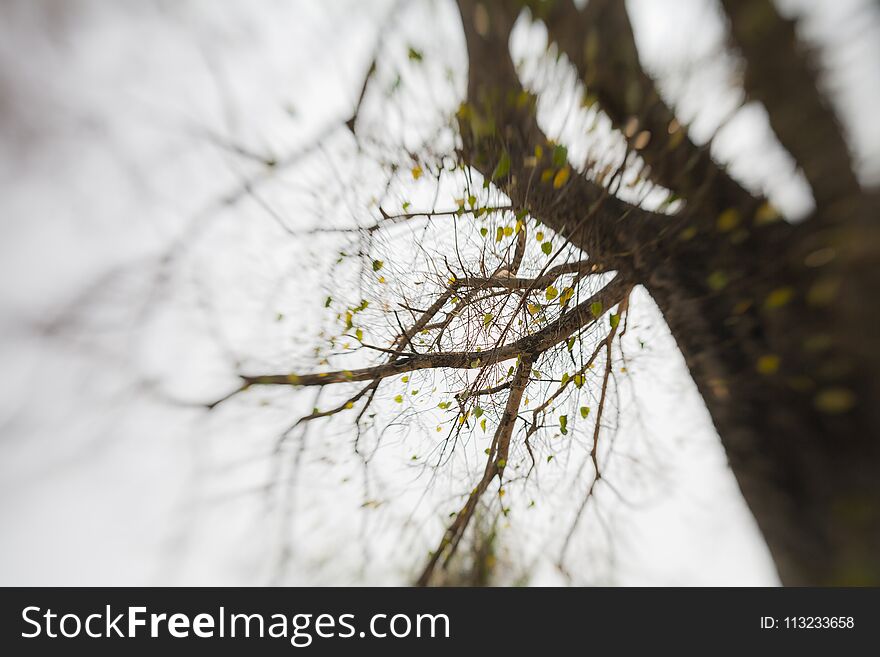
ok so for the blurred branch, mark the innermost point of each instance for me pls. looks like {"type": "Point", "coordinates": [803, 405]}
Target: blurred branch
{"type": "Point", "coordinates": [779, 74]}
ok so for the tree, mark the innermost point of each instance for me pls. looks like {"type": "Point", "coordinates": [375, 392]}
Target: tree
{"type": "Point", "coordinates": [774, 318]}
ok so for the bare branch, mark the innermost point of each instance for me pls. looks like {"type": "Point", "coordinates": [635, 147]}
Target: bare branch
{"type": "Point", "coordinates": [599, 42]}
{"type": "Point", "coordinates": [780, 75]}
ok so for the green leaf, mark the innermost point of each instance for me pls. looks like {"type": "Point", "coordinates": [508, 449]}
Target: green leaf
{"type": "Point", "coordinates": [377, 265]}
{"type": "Point", "coordinates": [502, 168]}
{"type": "Point", "coordinates": [551, 293]}
{"type": "Point", "coordinates": [359, 334]}
{"type": "Point", "coordinates": [484, 231]}
{"type": "Point", "coordinates": [596, 308]}
{"type": "Point", "coordinates": [563, 424]}
{"type": "Point", "coordinates": [570, 343]}
{"type": "Point", "coordinates": [398, 399]}
{"type": "Point", "coordinates": [487, 319]}
{"type": "Point", "coordinates": [717, 280]}
{"type": "Point", "coordinates": [614, 320]}
{"type": "Point", "coordinates": [565, 378]}
{"type": "Point", "coordinates": [483, 425]}
{"type": "Point", "coordinates": [478, 412]}
{"type": "Point", "coordinates": [560, 155]}
{"type": "Point", "coordinates": [499, 234]}
{"type": "Point", "coordinates": [585, 411]}
{"type": "Point", "coordinates": [547, 247]}
{"type": "Point", "coordinates": [443, 405]}
{"type": "Point", "coordinates": [578, 381]}
{"type": "Point", "coordinates": [414, 54]}
{"type": "Point", "coordinates": [328, 301]}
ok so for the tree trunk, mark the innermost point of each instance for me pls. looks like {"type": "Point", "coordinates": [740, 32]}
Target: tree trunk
{"type": "Point", "coordinates": [785, 357]}
{"type": "Point", "coordinates": [776, 322]}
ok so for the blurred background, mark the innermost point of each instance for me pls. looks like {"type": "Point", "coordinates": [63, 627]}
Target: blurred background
{"type": "Point", "coordinates": [163, 167]}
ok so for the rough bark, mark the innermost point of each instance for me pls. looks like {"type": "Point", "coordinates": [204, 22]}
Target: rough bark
{"type": "Point", "coordinates": [776, 323]}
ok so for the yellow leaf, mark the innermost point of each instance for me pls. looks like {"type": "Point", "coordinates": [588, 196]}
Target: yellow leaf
{"type": "Point", "coordinates": [768, 364]}
{"type": "Point", "coordinates": [728, 220]}
{"type": "Point", "coordinates": [766, 214]}
{"type": "Point", "coordinates": [835, 400]}
{"type": "Point", "coordinates": [778, 297]}
{"type": "Point", "coordinates": [416, 172]}
{"type": "Point", "coordinates": [561, 177]}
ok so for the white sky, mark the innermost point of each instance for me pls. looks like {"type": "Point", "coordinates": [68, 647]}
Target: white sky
{"type": "Point", "coordinates": [105, 163]}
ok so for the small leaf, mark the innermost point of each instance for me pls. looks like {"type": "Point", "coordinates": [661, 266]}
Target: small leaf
{"type": "Point", "coordinates": [377, 265]}
{"type": "Point", "coordinates": [566, 296]}
{"type": "Point", "coordinates": [727, 220]}
{"type": "Point", "coordinates": [563, 424]}
{"type": "Point", "coordinates": [417, 172]}
{"type": "Point", "coordinates": [414, 54]}
{"type": "Point", "coordinates": [835, 400]}
{"type": "Point", "coordinates": [778, 298]}
{"type": "Point", "coordinates": [487, 319]}
{"type": "Point", "coordinates": [560, 155]}
{"type": "Point", "coordinates": [443, 405]}
{"type": "Point", "coordinates": [614, 320]}
{"type": "Point", "coordinates": [596, 308]}
{"type": "Point", "coordinates": [478, 412]}
{"type": "Point", "coordinates": [539, 236]}
{"type": "Point", "coordinates": [483, 425]}
{"type": "Point", "coordinates": [359, 334]}
{"type": "Point", "coordinates": [328, 301]}
{"type": "Point", "coordinates": [561, 177]}
{"type": "Point", "coordinates": [499, 234]}
{"type": "Point", "coordinates": [578, 381]}
{"type": "Point", "coordinates": [502, 168]}
{"type": "Point", "coordinates": [585, 411]}
{"type": "Point", "coordinates": [766, 214]}
{"type": "Point", "coordinates": [768, 364]}
{"type": "Point", "coordinates": [398, 399]}
{"type": "Point", "coordinates": [717, 280]}
{"type": "Point", "coordinates": [547, 247]}
{"type": "Point", "coordinates": [551, 293]}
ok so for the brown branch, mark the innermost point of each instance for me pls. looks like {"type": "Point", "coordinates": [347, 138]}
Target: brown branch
{"type": "Point", "coordinates": [599, 42]}
{"type": "Point", "coordinates": [534, 284]}
{"type": "Point", "coordinates": [495, 465]}
{"type": "Point", "coordinates": [392, 219]}
{"type": "Point", "coordinates": [501, 139]}
{"type": "Point", "coordinates": [779, 74]}
{"type": "Point", "coordinates": [594, 450]}
{"type": "Point", "coordinates": [559, 331]}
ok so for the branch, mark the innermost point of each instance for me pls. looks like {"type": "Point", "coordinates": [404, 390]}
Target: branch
{"type": "Point", "coordinates": [557, 332]}
{"type": "Point", "coordinates": [538, 283]}
{"type": "Point", "coordinates": [495, 465]}
{"type": "Point", "coordinates": [599, 42]}
{"type": "Point", "coordinates": [502, 140]}
{"type": "Point", "coordinates": [779, 74]}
